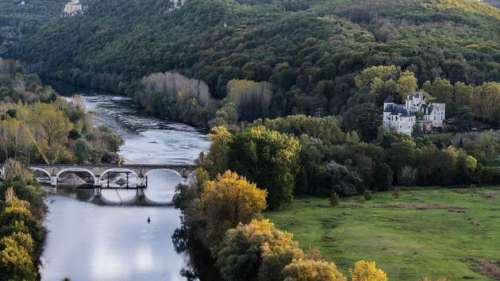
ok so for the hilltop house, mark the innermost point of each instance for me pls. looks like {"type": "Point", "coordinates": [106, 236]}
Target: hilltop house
{"type": "Point", "coordinates": [72, 8]}
{"type": "Point", "coordinates": [416, 111]}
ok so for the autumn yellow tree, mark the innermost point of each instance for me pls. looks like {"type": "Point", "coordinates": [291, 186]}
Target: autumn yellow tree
{"type": "Point", "coordinates": [15, 259]}
{"type": "Point", "coordinates": [312, 270]}
{"type": "Point", "coordinates": [17, 246]}
{"type": "Point", "coordinates": [52, 129]}
{"type": "Point", "coordinates": [367, 271]}
{"type": "Point", "coordinates": [386, 79]}
{"type": "Point", "coordinates": [229, 200]}
{"type": "Point", "coordinates": [256, 251]}
{"type": "Point", "coordinates": [407, 83]}
{"type": "Point", "coordinates": [14, 142]}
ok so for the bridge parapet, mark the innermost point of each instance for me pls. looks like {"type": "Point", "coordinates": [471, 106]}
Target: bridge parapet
{"type": "Point", "coordinates": [98, 171]}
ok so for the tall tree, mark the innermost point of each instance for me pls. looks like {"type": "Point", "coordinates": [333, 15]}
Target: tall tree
{"type": "Point", "coordinates": [229, 200]}
{"type": "Point", "coordinates": [268, 158]}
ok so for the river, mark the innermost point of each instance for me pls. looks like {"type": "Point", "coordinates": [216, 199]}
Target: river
{"type": "Point", "coordinates": [88, 242]}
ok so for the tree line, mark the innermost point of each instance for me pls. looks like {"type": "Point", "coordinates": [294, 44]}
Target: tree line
{"type": "Point", "coordinates": [298, 155]}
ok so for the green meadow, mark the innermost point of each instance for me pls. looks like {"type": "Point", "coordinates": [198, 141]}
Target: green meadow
{"type": "Point", "coordinates": [452, 233]}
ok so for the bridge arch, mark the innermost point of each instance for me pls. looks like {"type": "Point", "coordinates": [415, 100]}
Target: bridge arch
{"type": "Point", "coordinates": [76, 170]}
{"type": "Point", "coordinates": [164, 170]}
{"type": "Point", "coordinates": [41, 170]}
{"type": "Point", "coordinates": [118, 170]}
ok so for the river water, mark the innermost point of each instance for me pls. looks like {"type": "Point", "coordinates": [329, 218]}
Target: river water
{"type": "Point", "coordinates": [88, 242]}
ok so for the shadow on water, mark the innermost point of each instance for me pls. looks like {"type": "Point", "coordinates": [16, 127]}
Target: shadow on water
{"type": "Point", "coordinates": [201, 264]}
{"type": "Point", "coordinates": [89, 195]}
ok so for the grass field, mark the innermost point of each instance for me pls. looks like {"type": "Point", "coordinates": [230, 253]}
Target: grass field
{"type": "Point", "coordinates": [453, 233]}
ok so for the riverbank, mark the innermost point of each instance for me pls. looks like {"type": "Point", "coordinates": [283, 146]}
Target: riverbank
{"type": "Point", "coordinates": [452, 233]}
{"type": "Point", "coordinates": [22, 234]}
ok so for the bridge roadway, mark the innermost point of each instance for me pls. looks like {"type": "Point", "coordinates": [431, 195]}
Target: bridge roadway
{"type": "Point", "coordinates": [99, 173]}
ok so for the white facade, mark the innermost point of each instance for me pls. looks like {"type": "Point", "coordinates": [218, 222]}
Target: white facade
{"type": "Point", "coordinates": [397, 118]}
{"type": "Point", "coordinates": [438, 114]}
{"type": "Point", "coordinates": [73, 7]}
{"type": "Point", "coordinates": [402, 118]}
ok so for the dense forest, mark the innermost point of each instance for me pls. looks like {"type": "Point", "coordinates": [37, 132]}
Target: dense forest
{"type": "Point", "coordinates": [18, 18]}
{"type": "Point", "coordinates": [309, 51]}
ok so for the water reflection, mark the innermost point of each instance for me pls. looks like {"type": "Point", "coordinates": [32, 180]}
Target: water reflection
{"type": "Point", "coordinates": [88, 242]}
{"type": "Point", "coordinates": [163, 183]}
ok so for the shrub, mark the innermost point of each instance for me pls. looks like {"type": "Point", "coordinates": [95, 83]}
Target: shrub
{"type": "Point", "coordinates": [334, 199]}
{"type": "Point", "coordinates": [367, 271]}
{"type": "Point", "coordinates": [396, 192]}
{"type": "Point", "coordinates": [367, 195]}
{"type": "Point", "coordinates": [312, 270]}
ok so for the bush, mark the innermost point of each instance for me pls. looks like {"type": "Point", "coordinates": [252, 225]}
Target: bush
{"type": "Point", "coordinates": [489, 175]}
{"type": "Point", "coordinates": [396, 192]}
{"type": "Point", "coordinates": [334, 199]}
{"type": "Point", "coordinates": [367, 271]}
{"type": "Point", "coordinates": [312, 270]}
{"type": "Point", "coordinates": [367, 195]}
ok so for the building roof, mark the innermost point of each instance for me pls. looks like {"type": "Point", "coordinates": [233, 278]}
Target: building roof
{"type": "Point", "coordinates": [396, 109]}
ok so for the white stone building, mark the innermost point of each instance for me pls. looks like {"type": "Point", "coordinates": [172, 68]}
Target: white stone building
{"type": "Point", "coordinates": [73, 7]}
{"type": "Point", "coordinates": [416, 111]}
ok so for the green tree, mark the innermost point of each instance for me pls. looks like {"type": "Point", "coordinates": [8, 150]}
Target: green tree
{"type": "Point", "coordinates": [365, 118]}
{"type": "Point", "coordinates": [327, 129]}
{"type": "Point", "coordinates": [217, 159]}
{"type": "Point", "coordinates": [401, 154]}
{"type": "Point", "coordinates": [441, 89]}
{"type": "Point", "coordinates": [268, 158]}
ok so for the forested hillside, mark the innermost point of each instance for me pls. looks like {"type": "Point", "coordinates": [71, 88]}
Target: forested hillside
{"type": "Point", "coordinates": [18, 17]}
{"type": "Point", "coordinates": [309, 50]}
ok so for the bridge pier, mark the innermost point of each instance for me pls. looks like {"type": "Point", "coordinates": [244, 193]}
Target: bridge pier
{"type": "Point", "coordinates": [139, 192]}
{"type": "Point", "coordinates": [97, 191]}
{"type": "Point", "coordinates": [53, 181]}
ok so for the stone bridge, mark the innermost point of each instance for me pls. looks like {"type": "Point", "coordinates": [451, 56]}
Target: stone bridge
{"type": "Point", "coordinates": [100, 174]}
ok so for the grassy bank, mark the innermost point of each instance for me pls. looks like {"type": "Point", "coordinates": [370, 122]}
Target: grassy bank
{"type": "Point", "coordinates": [453, 233]}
